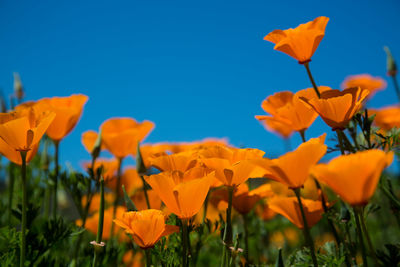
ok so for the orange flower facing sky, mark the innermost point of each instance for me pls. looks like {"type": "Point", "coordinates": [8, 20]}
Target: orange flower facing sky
{"type": "Point", "coordinates": [337, 107]}
{"type": "Point", "coordinates": [300, 42]}
{"type": "Point", "coordinates": [289, 110]}
{"type": "Point", "coordinates": [120, 136]}
{"type": "Point", "coordinates": [354, 177]}
{"type": "Point", "coordinates": [293, 168]}
{"type": "Point", "coordinates": [182, 161]}
{"type": "Point", "coordinates": [289, 207]}
{"type": "Point", "coordinates": [68, 111]}
{"type": "Point", "coordinates": [365, 81]}
{"type": "Point", "coordinates": [23, 130]}
{"type": "Point", "coordinates": [386, 118]}
{"type": "Point", "coordinates": [182, 193]}
{"type": "Point", "coordinates": [146, 227]}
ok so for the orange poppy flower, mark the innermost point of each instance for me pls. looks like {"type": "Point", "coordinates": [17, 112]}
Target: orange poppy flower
{"type": "Point", "coordinates": [365, 81]}
{"type": "Point", "coordinates": [232, 166]}
{"type": "Point", "coordinates": [139, 200]}
{"type": "Point", "coordinates": [293, 168]}
{"type": "Point", "coordinates": [300, 42]}
{"type": "Point", "coordinates": [289, 207]}
{"type": "Point", "coordinates": [244, 200]}
{"type": "Point", "coordinates": [68, 111]}
{"type": "Point", "coordinates": [23, 130]}
{"type": "Point", "coordinates": [150, 151]}
{"type": "Point", "coordinates": [386, 118]}
{"type": "Point", "coordinates": [264, 212]}
{"type": "Point", "coordinates": [183, 193]}
{"type": "Point", "coordinates": [120, 136]}
{"type": "Point", "coordinates": [196, 145]}
{"type": "Point", "coordinates": [15, 156]}
{"type": "Point", "coordinates": [275, 126]}
{"type": "Point", "coordinates": [176, 162]}
{"type": "Point", "coordinates": [337, 107]}
{"type": "Point", "coordinates": [354, 177]}
{"type": "Point", "coordinates": [89, 139]}
{"type": "Point", "coordinates": [290, 110]}
{"type": "Point", "coordinates": [147, 227]}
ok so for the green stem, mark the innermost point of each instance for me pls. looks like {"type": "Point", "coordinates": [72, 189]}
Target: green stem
{"type": "Point", "coordinates": [56, 169]}
{"type": "Point", "coordinates": [339, 136]}
{"type": "Point", "coordinates": [205, 208]}
{"type": "Point", "coordinates": [370, 245]}
{"type": "Point", "coordinates": [117, 197]}
{"type": "Point", "coordinates": [11, 183]}
{"type": "Point", "coordinates": [306, 229]}
{"type": "Point", "coordinates": [146, 196]}
{"type": "Point", "coordinates": [226, 253]}
{"type": "Point", "coordinates": [246, 239]}
{"type": "Point", "coordinates": [184, 242]}
{"type": "Point", "coordinates": [147, 252]}
{"type": "Point", "coordinates": [360, 237]}
{"type": "Point", "coordinates": [24, 204]}
{"type": "Point", "coordinates": [97, 249]}
{"type": "Point", "coordinates": [312, 79]}
{"type": "Point", "coordinates": [47, 197]}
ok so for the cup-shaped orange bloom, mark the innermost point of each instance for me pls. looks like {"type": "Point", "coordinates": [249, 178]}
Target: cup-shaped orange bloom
{"type": "Point", "coordinates": [293, 168]}
{"type": "Point", "coordinates": [232, 166]}
{"type": "Point", "coordinates": [244, 200]}
{"type": "Point", "coordinates": [23, 130]}
{"type": "Point", "coordinates": [290, 110]}
{"type": "Point", "coordinates": [365, 81]}
{"type": "Point", "coordinates": [274, 125]}
{"type": "Point", "coordinates": [182, 193]}
{"type": "Point", "coordinates": [147, 227]}
{"type": "Point", "coordinates": [354, 177]}
{"type": "Point", "coordinates": [120, 136]}
{"type": "Point", "coordinates": [68, 111]}
{"type": "Point", "coordinates": [337, 107]}
{"type": "Point", "coordinates": [289, 207]}
{"type": "Point", "coordinates": [386, 118]}
{"type": "Point", "coordinates": [151, 151]}
{"type": "Point", "coordinates": [300, 42]}
{"type": "Point", "coordinates": [15, 156]}
{"type": "Point", "coordinates": [182, 161]}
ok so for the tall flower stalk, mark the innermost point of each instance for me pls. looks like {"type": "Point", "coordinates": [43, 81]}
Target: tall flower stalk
{"type": "Point", "coordinates": [24, 204]}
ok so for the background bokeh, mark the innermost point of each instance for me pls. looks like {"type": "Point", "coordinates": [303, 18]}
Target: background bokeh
{"type": "Point", "coordinates": [197, 69]}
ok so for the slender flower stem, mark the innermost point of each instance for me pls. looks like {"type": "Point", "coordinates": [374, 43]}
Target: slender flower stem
{"type": "Point", "coordinates": [370, 245]}
{"type": "Point", "coordinates": [360, 237]}
{"type": "Point", "coordinates": [11, 183]}
{"type": "Point", "coordinates": [303, 135]}
{"type": "Point", "coordinates": [306, 229]}
{"type": "Point", "coordinates": [246, 239]}
{"type": "Point", "coordinates": [146, 196]}
{"type": "Point", "coordinates": [24, 204]}
{"type": "Point", "coordinates": [226, 253]}
{"type": "Point", "coordinates": [340, 140]}
{"type": "Point", "coordinates": [47, 197]}
{"type": "Point", "coordinates": [56, 169]}
{"type": "Point", "coordinates": [117, 197]}
{"type": "Point", "coordinates": [205, 208]}
{"type": "Point", "coordinates": [147, 252]}
{"type": "Point", "coordinates": [312, 79]}
{"type": "Point", "coordinates": [184, 242]}
{"type": "Point", "coordinates": [97, 248]}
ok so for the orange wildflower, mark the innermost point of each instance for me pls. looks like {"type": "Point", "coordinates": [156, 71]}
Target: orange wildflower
{"type": "Point", "coordinates": [354, 177]}
{"type": "Point", "coordinates": [120, 136]}
{"type": "Point", "coordinates": [150, 151]}
{"type": "Point", "coordinates": [176, 162]}
{"type": "Point", "coordinates": [232, 166]}
{"type": "Point", "coordinates": [275, 126]}
{"type": "Point", "coordinates": [289, 109]}
{"type": "Point", "coordinates": [183, 193]}
{"type": "Point", "coordinates": [337, 107]}
{"type": "Point", "coordinates": [300, 42]}
{"type": "Point", "coordinates": [244, 200]}
{"type": "Point", "coordinates": [68, 111]}
{"type": "Point", "coordinates": [293, 168]}
{"type": "Point", "coordinates": [89, 140]}
{"type": "Point", "coordinates": [130, 179]}
{"type": "Point", "coordinates": [15, 156]}
{"type": "Point", "coordinates": [289, 207]}
{"type": "Point", "coordinates": [386, 118]}
{"type": "Point", "coordinates": [139, 200]}
{"type": "Point", "coordinates": [147, 227]}
{"type": "Point", "coordinates": [23, 130]}
{"type": "Point", "coordinates": [365, 81]}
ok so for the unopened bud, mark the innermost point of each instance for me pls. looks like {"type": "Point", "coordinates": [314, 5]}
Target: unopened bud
{"type": "Point", "coordinates": [97, 147]}
{"type": "Point", "coordinates": [140, 167]}
{"type": "Point", "coordinates": [391, 64]}
{"type": "Point", "coordinates": [18, 87]}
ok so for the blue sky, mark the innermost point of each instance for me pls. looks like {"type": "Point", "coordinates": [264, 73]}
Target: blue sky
{"type": "Point", "coordinates": [195, 68]}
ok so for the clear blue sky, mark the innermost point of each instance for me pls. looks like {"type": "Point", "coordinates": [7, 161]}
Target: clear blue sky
{"type": "Point", "coordinates": [196, 68]}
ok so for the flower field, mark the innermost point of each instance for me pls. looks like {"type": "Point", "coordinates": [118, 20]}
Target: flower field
{"type": "Point", "coordinates": [333, 200]}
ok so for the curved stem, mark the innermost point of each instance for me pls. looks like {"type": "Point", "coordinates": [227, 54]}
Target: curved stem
{"type": "Point", "coordinates": [396, 86]}
{"type": "Point", "coordinates": [226, 253]}
{"type": "Point", "coordinates": [312, 79]}
{"type": "Point", "coordinates": [56, 169]}
{"type": "Point", "coordinates": [24, 204]}
{"type": "Point", "coordinates": [340, 140]}
{"type": "Point", "coordinates": [146, 196]}
{"type": "Point", "coordinates": [306, 229]}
